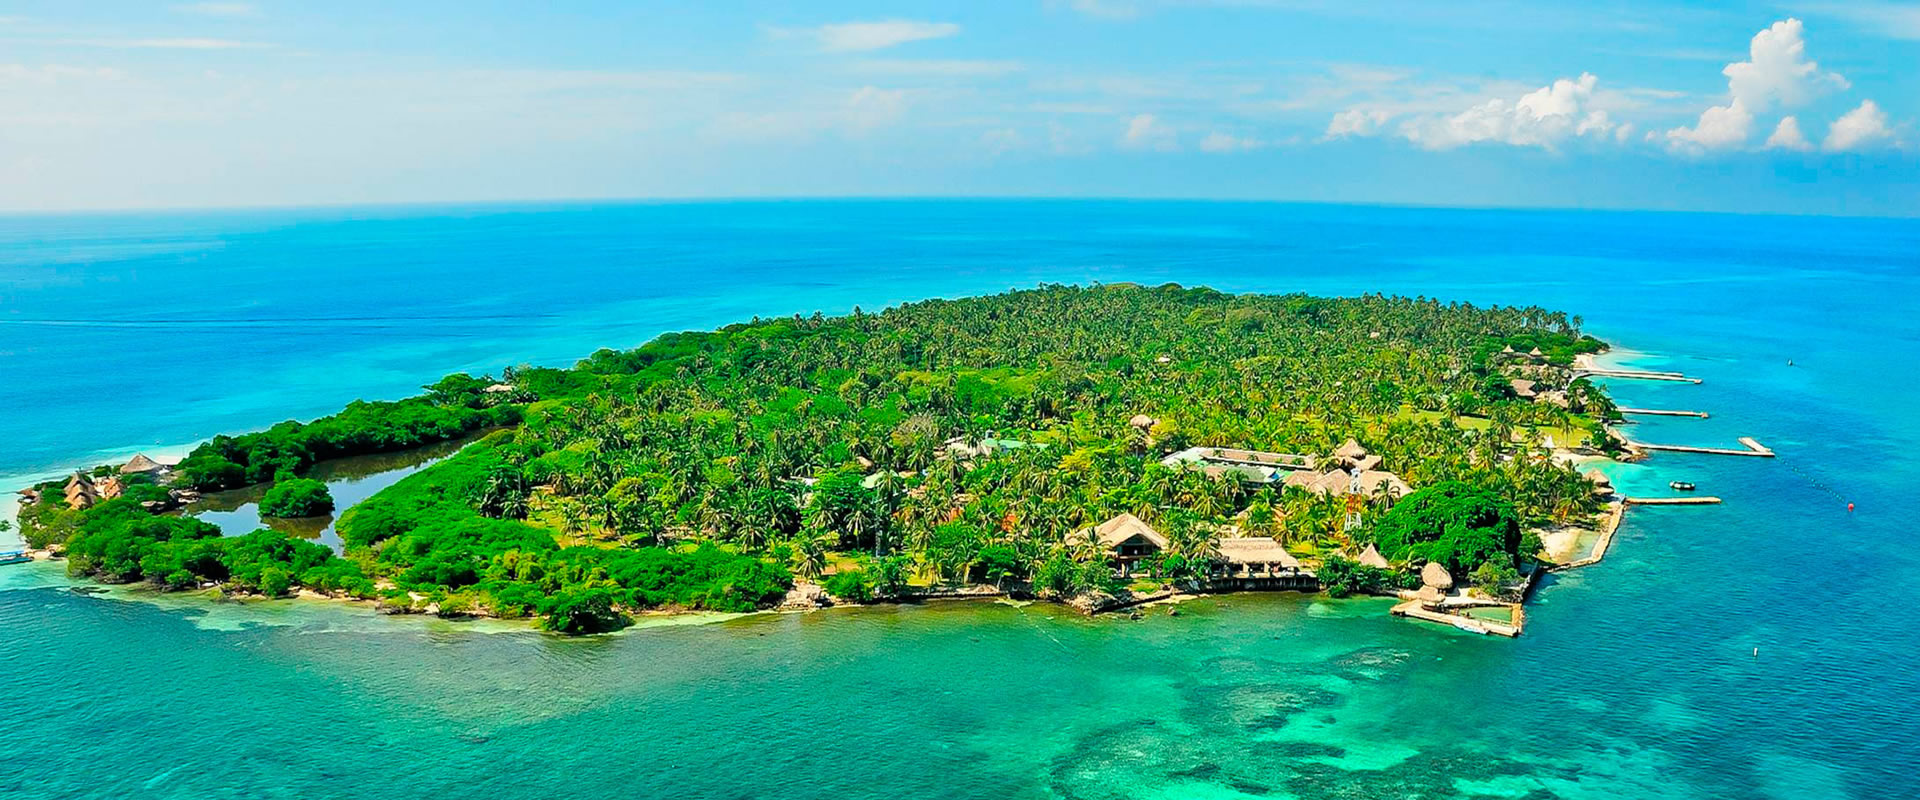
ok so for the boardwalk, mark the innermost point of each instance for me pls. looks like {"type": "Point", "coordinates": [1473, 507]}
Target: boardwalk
{"type": "Point", "coordinates": [1413, 610]}
{"type": "Point", "coordinates": [1634, 374]}
{"type": "Point", "coordinates": [1672, 501]}
{"type": "Point", "coordinates": [1662, 412]}
{"type": "Point", "coordinates": [1753, 448]}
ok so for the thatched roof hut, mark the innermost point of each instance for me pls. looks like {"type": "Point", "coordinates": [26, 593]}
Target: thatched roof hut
{"type": "Point", "coordinates": [1535, 352]}
{"type": "Point", "coordinates": [1141, 421]}
{"type": "Point", "coordinates": [1430, 597]}
{"type": "Point", "coordinates": [140, 464]}
{"type": "Point", "coordinates": [1523, 387]}
{"type": "Point", "coordinates": [1365, 463]}
{"type": "Point", "coordinates": [1436, 576]}
{"type": "Point", "coordinates": [1372, 480]}
{"type": "Point", "coordinates": [1350, 450]}
{"type": "Point", "coordinates": [1337, 482]}
{"type": "Point", "coordinates": [1598, 479]}
{"type": "Point", "coordinates": [1127, 527]}
{"type": "Point", "coordinates": [1242, 550]}
{"type": "Point", "coordinates": [1371, 557]}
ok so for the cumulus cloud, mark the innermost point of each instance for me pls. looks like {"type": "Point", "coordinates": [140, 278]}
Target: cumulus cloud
{"type": "Point", "coordinates": [1356, 122]}
{"type": "Point", "coordinates": [1147, 132]}
{"type": "Point", "coordinates": [1859, 129]}
{"type": "Point", "coordinates": [846, 37]}
{"type": "Point", "coordinates": [1543, 118]}
{"type": "Point", "coordinates": [1787, 136]}
{"type": "Point", "coordinates": [1217, 142]}
{"type": "Point", "coordinates": [1776, 72]}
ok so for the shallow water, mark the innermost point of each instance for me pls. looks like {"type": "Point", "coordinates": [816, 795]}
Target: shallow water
{"type": "Point", "coordinates": [1637, 678]}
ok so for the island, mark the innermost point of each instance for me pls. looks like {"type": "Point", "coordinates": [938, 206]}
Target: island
{"type": "Point", "coordinates": [1102, 446]}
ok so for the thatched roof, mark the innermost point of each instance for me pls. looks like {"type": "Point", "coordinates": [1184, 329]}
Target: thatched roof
{"type": "Point", "coordinates": [1430, 596]}
{"type": "Point", "coordinates": [1371, 557]}
{"type": "Point", "coordinates": [1351, 449]}
{"type": "Point", "coordinates": [1436, 576]}
{"type": "Point", "coordinates": [1255, 550]}
{"type": "Point", "coordinates": [1535, 352]}
{"type": "Point", "coordinates": [1523, 387]}
{"type": "Point", "coordinates": [1336, 482]}
{"type": "Point", "coordinates": [140, 463]}
{"type": "Point", "coordinates": [81, 480]}
{"type": "Point", "coordinates": [1371, 481]}
{"type": "Point", "coordinates": [1141, 421]}
{"type": "Point", "coordinates": [1365, 463]}
{"type": "Point", "coordinates": [1120, 529]}
{"type": "Point", "coordinates": [1507, 349]}
{"type": "Point", "coordinates": [1302, 479]}
{"type": "Point", "coordinates": [1597, 477]}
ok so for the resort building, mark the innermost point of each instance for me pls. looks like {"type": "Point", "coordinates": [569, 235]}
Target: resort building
{"type": "Point", "coordinates": [80, 492]}
{"type": "Point", "coordinates": [1253, 466]}
{"type": "Point", "coordinates": [960, 447]}
{"type": "Point", "coordinates": [1259, 562]}
{"type": "Point", "coordinates": [1523, 388]}
{"type": "Point", "coordinates": [1602, 485]}
{"type": "Point", "coordinates": [29, 496]}
{"type": "Point", "coordinates": [140, 464]}
{"type": "Point", "coordinates": [1129, 539]}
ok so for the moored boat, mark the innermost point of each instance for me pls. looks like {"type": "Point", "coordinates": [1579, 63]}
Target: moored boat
{"type": "Point", "coordinates": [14, 557]}
{"type": "Point", "coordinates": [1681, 486]}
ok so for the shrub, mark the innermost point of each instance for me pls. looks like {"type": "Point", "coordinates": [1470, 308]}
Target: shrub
{"type": "Point", "coordinates": [299, 497]}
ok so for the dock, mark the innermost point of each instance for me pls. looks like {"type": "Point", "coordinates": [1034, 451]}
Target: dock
{"type": "Point", "coordinates": [1751, 448]}
{"type": "Point", "coordinates": [1412, 609]}
{"type": "Point", "coordinates": [1671, 501]}
{"type": "Point", "coordinates": [1662, 412]}
{"type": "Point", "coordinates": [1634, 374]}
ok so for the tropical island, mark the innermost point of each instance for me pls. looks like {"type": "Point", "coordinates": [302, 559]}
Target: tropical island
{"type": "Point", "coordinates": [1101, 446]}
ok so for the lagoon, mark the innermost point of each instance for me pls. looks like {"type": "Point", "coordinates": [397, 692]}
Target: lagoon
{"type": "Point", "coordinates": [1637, 677]}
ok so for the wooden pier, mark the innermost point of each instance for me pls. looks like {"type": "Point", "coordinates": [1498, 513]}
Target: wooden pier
{"type": "Point", "coordinates": [1753, 448]}
{"type": "Point", "coordinates": [1662, 412]}
{"type": "Point", "coordinates": [1634, 374]}
{"type": "Point", "coordinates": [1413, 610]}
{"type": "Point", "coordinates": [1671, 501]}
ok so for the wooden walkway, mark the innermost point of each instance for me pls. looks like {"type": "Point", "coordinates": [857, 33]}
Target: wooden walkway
{"type": "Point", "coordinates": [1413, 610]}
{"type": "Point", "coordinates": [1635, 374]}
{"type": "Point", "coordinates": [1753, 448]}
{"type": "Point", "coordinates": [1672, 501]}
{"type": "Point", "coordinates": [1661, 412]}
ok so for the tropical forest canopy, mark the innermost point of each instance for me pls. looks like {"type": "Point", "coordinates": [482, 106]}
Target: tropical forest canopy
{"type": "Point", "coordinates": [941, 441]}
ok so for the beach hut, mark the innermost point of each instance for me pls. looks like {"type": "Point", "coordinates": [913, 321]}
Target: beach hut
{"type": "Point", "coordinates": [108, 488]}
{"type": "Point", "coordinates": [1365, 463]}
{"type": "Point", "coordinates": [1371, 557]}
{"type": "Point", "coordinates": [140, 464]}
{"type": "Point", "coordinates": [1523, 387]}
{"type": "Point", "coordinates": [1535, 353]}
{"type": "Point", "coordinates": [1335, 483]}
{"type": "Point", "coordinates": [1351, 451]}
{"type": "Point", "coordinates": [29, 496]}
{"type": "Point", "coordinates": [1141, 421]}
{"type": "Point", "coordinates": [1255, 556]}
{"type": "Point", "coordinates": [1435, 576]}
{"type": "Point", "coordinates": [1602, 485]}
{"type": "Point", "coordinates": [1129, 539]}
{"type": "Point", "coordinates": [1430, 597]}
{"type": "Point", "coordinates": [80, 492]}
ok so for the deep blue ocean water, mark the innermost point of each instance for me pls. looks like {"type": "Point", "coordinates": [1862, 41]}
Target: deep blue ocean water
{"type": "Point", "coordinates": [1762, 648]}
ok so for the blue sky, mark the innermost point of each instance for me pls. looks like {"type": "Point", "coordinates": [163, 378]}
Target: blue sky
{"type": "Point", "coordinates": [1764, 107]}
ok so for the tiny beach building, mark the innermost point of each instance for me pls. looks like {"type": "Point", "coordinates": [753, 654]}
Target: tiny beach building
{"type": "Point", "coordinates": [1129, 540]}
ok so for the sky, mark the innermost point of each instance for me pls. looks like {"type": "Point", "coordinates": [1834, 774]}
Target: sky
{"type": "Point", "coordinates": [1730, 106]}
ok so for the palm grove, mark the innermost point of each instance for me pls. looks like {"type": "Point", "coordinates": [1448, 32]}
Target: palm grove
{"type": "Point", "coordinates": [706, 469]}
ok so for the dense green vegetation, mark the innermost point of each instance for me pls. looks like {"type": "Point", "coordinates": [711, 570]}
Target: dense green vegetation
{"type": "Point", "coordinates": [282, 451]}
{"type": "Point", "coordinates": [296, 497]}
{"type": "Point", "coordinates": [704, 469]}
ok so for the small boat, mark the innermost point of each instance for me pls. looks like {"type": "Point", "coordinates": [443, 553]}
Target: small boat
{"type": "Point", "coordinates": [1681, 486]}
{"type": "Point", "coordinates": [15, 557]}
{"type": "Point", "coordinates": [1468, 625]}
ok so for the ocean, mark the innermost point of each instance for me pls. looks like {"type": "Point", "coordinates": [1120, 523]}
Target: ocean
{"type": "Point", "coordinates": [1760, 648]}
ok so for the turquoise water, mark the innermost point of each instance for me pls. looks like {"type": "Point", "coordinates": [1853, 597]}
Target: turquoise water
{"type": "Point", "coordinates": [1637, 678]}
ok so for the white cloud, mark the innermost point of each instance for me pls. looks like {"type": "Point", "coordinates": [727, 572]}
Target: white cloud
{"type": "Point", "coordinates": [1218, 142]}
{"type": "Point", "coordinates": [1787, 136]}
{"type": "Point", "coordinates": [1543, 118]}
{"type": "Point", "coordinates": [219, 9]}
{"type": "Point", "coordinates": [189, 43]}
{"type": "Point", "coordinates": [1719, 127]}
{"type": "Point", "coordinates": [1356, 122]}
{"type": "Point", "coordinates": [1002, 140]}
{"type": "Point", "coordinates": [1105, 9]}
{"type": "Point", "coordinates": [1147, 132]}
{"type": "Point", "coordinates": [870, 107]}
{"type": "Point", "coordinates": [1776, 72]}
{"type": "Point", "coordinates": [1859, 129]}
{"type": "Point", "coordinates": [935, 68]}
{"type": "Point", "coordinates": [1891, 20]}
{"type": "Point", "coordinates": [847, 37]}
